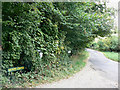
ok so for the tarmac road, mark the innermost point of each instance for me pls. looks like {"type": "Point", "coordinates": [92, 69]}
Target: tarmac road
{"type": "Point", "coordinates": [99, 72]}
{"type": "Point", "coordinates": [108, 67]}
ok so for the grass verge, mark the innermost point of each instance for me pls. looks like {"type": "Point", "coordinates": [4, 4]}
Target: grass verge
{"type": "Point", "coordinates": [78, 62]}
{"type": "Point", "coordinates": [112, 55]}
{"type": "Point", "coordinates": [74, 65]}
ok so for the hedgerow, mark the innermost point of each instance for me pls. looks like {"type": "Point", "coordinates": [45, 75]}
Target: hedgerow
{"type": "Point", "coordinates": [51, 29]}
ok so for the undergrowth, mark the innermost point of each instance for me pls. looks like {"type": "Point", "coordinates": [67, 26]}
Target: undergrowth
{"type": "Point", "coordinates": [77, 62]}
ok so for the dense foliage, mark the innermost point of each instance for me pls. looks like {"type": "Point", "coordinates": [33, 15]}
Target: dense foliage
{"type": "Point", "coordinates": [52, 29]}
{"type": "Point", "coordinates": [84, 22]}
{"type": "Point", "coordinates": [107, 44]}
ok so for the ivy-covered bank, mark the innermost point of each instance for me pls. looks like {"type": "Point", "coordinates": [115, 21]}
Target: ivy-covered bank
{"type": "Point", "coordinates": [42, 36]}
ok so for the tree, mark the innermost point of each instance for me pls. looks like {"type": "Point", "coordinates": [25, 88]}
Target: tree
{"type": "Point", "coordinates": [49, 28]}
{"type": "Point", "coordinates": [84, 22]}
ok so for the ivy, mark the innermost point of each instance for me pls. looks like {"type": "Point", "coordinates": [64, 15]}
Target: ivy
{"type": "Point", "coordinates": [51, 29]}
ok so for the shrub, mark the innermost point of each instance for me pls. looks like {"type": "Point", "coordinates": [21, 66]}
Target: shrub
{"type": "Point", "coordinates": [107, 44]}
{"type": "Point", "coordinates": [27, 28]}
{"type": "Point", "coordinates": [51, 29]}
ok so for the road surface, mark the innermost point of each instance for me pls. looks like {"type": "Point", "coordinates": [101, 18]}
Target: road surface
{"type": "Point", "coordinates": [99, 72]}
